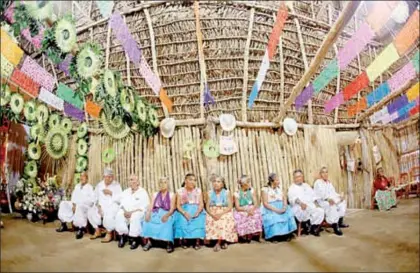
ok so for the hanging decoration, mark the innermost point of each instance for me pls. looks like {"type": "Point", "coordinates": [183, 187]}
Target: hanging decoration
{"type": "Point", "coordinates": [26, 84]}
{"type": "Point", "coordinates": [334, 102]}
{"type": "Point", "coordinates": [105, 7]}
{"type": "Point", "coordinates": [9, 49]}
{"type": "Point", "coordinates": [304, 96]}
{"type": "Point", "coordinates": [378, 94]}
{"type": "Point", "coordinates": [51, 99]}
{"type": "Point", "coordinates": [74, 112]}
{"type": "Point", "coordinates": [408, 35]}
{"type": "Point", "coordinates": [397, 104]}
{"type": "Point", "coordinates": [6, 67]}
{"type": "Point", "coordinates": [208, 98]}
{"type": "Point", "coordinates": [329, 73]}
{"type": "Point", "coordinates": [92, 109]}
{"type": "Point", "coordinates": [36, 41]}
{"type": "Point", "coordinates": [382, 62]}
{"type": "Point", "coordinates": [402, 77]}
{"type": "Point", "coordinates": [67, 94]}
{"type": "Point", "coordinates": [358, 84]}
{"type": "Point", "coordinates": [65, 64]}
{"type": "Point", "coordinates": [416, 61]}
{"type": "Point", "coordinates": [357, 107]}
{"type": "Point", "coordinates": [37, 73]}
{"type": "Point", "coordinates": [270, 51]}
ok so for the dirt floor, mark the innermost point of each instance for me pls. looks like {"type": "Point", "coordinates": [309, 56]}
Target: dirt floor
{"type": "Point", "coordinates": [376, 241]}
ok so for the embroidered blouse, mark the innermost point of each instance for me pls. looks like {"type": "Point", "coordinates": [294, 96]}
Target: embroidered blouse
{"type": "Point", "coordinates": [220, 200]}
{"type": "Point", "coordinates": [273, 194]}
{"type": "Point", "coordinates": [192, 197]}
{"type": "Point", "coordinates": [245, 197]}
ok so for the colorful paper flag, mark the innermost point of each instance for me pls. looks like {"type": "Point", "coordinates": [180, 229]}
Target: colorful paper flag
{"type": "Point", "coordinates": [380, 14]}
{"type": "Point", "coordinates": [406, 108]}
{"type": "Point", "coordinates": [51, 99]}
{"type": "Point", "coordinates": [408, 34]}
{"type": "Point", "coordinates": [92, 109]}
{"type": "Point", "coordinates": [402, 77]}
{"type": "Point", "coordinates": [397, 104]}
{"type": "Point", "coordinates": [6, 67]}
{"type": "Point", "coordinates": [355, 45]}
{"type": "Point", "coordinates": [260, 79]}
{"type": "Point", "coordinates": [124, 36]}
{"type": "Point", "coordinates": [37, 73]}
{"type": "Point", "coordinates": [414, 110]}
{"type": "Point", "coordinates": [208, 98]}
{"type": "Point", "coordinates": [357, 85]}
{"type": "Point", "coordinates": [74, 112]}
{"type": "Point", "coordinates": [151, 79]}
{"type": "Point", "coordinates": [165, 100]}
{"type": "Point", "coordinates": [416, 61]}
{"type": "Point", "coordinates": [274, 38]}
{"type": "Point", "coordinates": [413, 92]}
{"type": "Point", "coordinates": [105, 7]}
{"type": "Point", "coordinates": [65, 64]}
{"type": "Point", "coordinates": [329, 73]}
{"type": "Point", "coordinates": [10, 50]}
{"type": "Point", "coordinates": [304, 96]}
{"type": "Point", "coordinates": [378, 94]}
{"type": "Point", "coordinates": [68, 95]}
{"type": "Point", "coordinates": [400, 118]}
{"type": "Point", "coordinates": [25, 83]}
{"type": "Point", "coordinates": [334, 102]}
{"type": "Point", "coordinates": [382, 62]}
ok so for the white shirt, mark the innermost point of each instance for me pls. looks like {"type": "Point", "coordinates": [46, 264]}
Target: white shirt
{"type": "Point", "coordinates": [324, 190]}
{"type": "Point", "coordinates": [303, 192]}
{"type": "Point", "coordinates": [83, 195]}
{"type": "Point", "coordinates": [130, 201]}
{"type": "Point", "coordinates": [106, 200]}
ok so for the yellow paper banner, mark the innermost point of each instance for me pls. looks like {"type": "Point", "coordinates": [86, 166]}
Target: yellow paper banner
{"type": "Point", "coordinates": [384, 60]}
{"type": "Point", "coordinates": [6, 67]}
{"type": "Point", "coordinates": [413, 92]}
{"type": "Point", "coordinates": [9, 49]}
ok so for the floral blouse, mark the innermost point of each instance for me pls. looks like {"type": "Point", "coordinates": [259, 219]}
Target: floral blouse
{"type": "Point", "coordinates": [192, 197]}
{"type": "Point", "coordinates": [273, 194]}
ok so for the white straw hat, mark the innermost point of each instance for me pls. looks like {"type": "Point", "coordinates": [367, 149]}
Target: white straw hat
{"type": "Point", "coordinates": [290, 126]}
{"type": "Point", "coordinates": [227, 122]}
{"type": "Point", "coordinates": [167, 127]}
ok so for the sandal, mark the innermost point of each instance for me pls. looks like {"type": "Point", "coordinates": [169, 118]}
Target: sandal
{"type": "Point", "coordinates": [169, 249]}
{"type": "Point", "coordinates": [197, 247]}
{"type": "Point", "coordinates": [147, 247]}
{"type": "Point", "coordinates": [216, 248]}
{"type": "Point", "coordinates": [224, 246]}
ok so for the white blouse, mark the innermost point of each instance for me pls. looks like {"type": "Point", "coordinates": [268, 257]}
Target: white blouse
{"type": "Point", "coordinates": [273, 194]}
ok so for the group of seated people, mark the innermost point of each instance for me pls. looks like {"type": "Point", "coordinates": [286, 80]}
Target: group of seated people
{"type": "Point", "coordinates": [189, 216]}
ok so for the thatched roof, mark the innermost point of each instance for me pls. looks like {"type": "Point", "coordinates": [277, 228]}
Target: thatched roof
{"type": "Point", "coordinates": [235, 33]}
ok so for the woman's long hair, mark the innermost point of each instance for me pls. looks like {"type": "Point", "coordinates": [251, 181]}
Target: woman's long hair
{"type": "Point", "coordinates": [186, 176]}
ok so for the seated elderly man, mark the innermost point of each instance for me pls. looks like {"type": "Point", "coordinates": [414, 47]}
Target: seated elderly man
{"type": "Point", "coordinates": [105, 209]}
{"type": "Point", "coordinates": [133, 204]}
{"type": "Point", "coordinates": [76, 210]}
{"type": "Point", "coordinates": [333, 204]}
{"type": "Point", "coordinates": [383, 192]}
{"type": "Point", "coordinates": [302, 199]}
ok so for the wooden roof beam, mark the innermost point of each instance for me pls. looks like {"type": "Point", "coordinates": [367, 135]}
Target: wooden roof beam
{"type": "Point", "coordinates": [329, 40]}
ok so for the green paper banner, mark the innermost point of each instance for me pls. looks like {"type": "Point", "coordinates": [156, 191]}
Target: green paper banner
{"type": "Point", "coordinates": [67, 94]}
{"type": "Point", "coordinates": [328, 74]}
{"type": "Point", "coordinates": [416, 61]}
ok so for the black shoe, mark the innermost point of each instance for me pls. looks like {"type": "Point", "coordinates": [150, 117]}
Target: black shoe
{"type": "Point", "coordinates": [79, 233]}
{"type": "Point", "coordinates": [315, 230]}
{"type": "Point", "coordinates": [122, 241]}
{"type": "Point", "coordinates": [134, 243]}
{"type": "Point", "coordinates": [341, 223]}
{"type": "Point", "coordinates": [170, 248]}
{"type": "Point", "coordinates": [148, 246]}
{"type": "Point", "coordinates": [307, 228]}
{"type": "Point", "coordinates": [62, 228]}
{"type": "Point", "coordinates": [337, 229]}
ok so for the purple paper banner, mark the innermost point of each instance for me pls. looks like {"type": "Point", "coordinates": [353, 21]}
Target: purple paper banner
{"type": "Point", "coordinates": [65, 64]}
{"type": "Point", "coordinates": [124, 37]}
{"type": "Point", "coordinates": [334, 102]}
{"type": "Point", "coordinates": [37, 73]}
{"type": "Point", "coordinates": [403, 76]}
{"type": "Point", "coordinates": [304, 96]}
{"type": "Point", "coordinates": [401, 118]}
{"type": "Point", "coordinates": [397, 104]}
{"type": "Point", "coordinates": [208, 98]}
{"type": "Point", "coordinates": [74, 112]}
{"type": "Point", "coordinates": [355, 45]}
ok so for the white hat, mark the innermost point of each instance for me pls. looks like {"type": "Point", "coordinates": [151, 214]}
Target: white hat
{"type": "Point", "coordinates": [290, 126]}
{"type": "Point", "coordinates": [108, 171]}
{"type": "Point", "coordinates": [167, 127]}
{"type": "Point", "coordinates": [228, 122]}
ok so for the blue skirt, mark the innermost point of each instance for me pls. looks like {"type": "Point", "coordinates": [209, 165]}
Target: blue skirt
{"type": "Point", "coordinates": [277, 224]}
{"type": "Point", "coordinates": [157, 230]}
{"type": "Point", "coordinates": [193, 229]}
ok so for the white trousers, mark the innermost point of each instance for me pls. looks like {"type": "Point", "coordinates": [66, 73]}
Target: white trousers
{"type": "Point", "coordinates": [132, 226]}
{"type": "Point", "coordinates": [334, 212]}
{"type": "Point", "coordinates": [66, 215]}
{"type": "Point", "coordinates": [107, 219]}
{"type": "Point", "coordinates": [312, 213]}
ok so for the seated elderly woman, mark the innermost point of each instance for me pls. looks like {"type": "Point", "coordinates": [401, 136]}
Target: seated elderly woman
{"type": "Point", "coordinates": [384, 194]}
{"type": "Point", "coordinates": [159, 222]}
{"type": "Point", "coordinates": [220, 224]}
{"type": "Point", "coordinates": [190, 218]}
{"type": "Point", "coordinates": [278, 218]}
{"type": "Point", "coordinates": [247, 212]}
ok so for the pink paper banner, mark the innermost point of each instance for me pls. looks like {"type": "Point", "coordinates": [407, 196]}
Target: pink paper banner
{"type": "Point", "coordinates": [355, 45]}
{"type": "Point", "coordinates": [152, 80]}
{"type": "Point", "coordinates": [37, 73]}
{"type": "Point", "coordinates": [334, 102]}
{"type": "Point", "coordinates": [403, 76]}
{"type": "Point", "coordinates": [124, 37]}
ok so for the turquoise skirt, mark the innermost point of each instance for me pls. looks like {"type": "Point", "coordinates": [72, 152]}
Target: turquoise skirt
{"type": "Point", "coordinates": [158, 230]}
{"type": "Point", "coordinates": [193, 229]}
{"type": "Point", "coordinates": [277, 224]}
